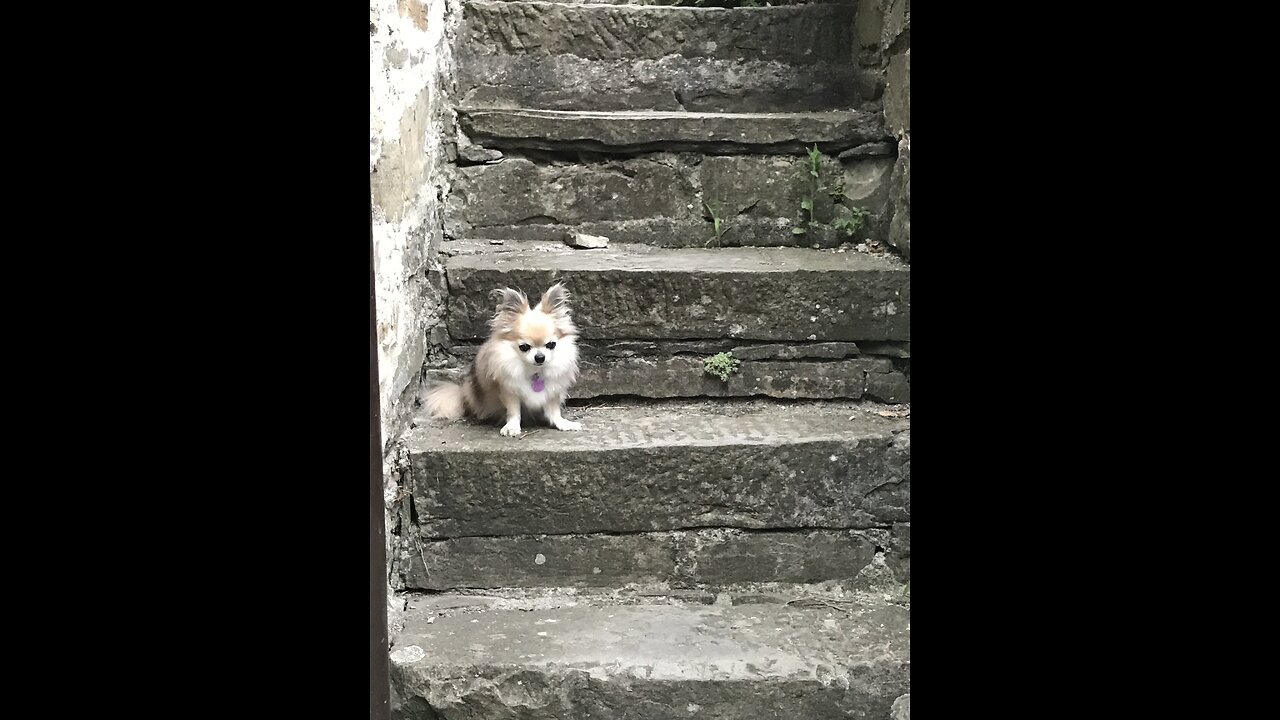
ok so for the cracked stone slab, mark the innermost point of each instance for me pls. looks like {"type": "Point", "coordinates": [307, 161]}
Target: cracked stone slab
{"type": "Point", "coordinates": [647, 130]}
{"type": "Point", "coordinates": [680, 558]}
{"type": "Point", "coordinates": [653, 662]}
{"type": "Point", "coordinates": [667, 199]}
{"type": "Point", "coordinates": [637, 292]}
{"type": "Point", "coordinates": [641, 468]}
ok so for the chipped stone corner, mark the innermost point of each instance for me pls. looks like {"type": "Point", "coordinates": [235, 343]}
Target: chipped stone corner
{"type": "Point", "coordinates": [901, 708]}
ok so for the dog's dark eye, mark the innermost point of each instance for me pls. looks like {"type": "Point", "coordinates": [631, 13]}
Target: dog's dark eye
{"type": "Point", "coordinates": [551, 345]}
{"type": "Point", "coordinates": [524, 347]}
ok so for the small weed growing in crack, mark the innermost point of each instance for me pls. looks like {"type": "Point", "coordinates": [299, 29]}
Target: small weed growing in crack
{"type": "Point", "coordinates": [815, 187]}
{"type": "Point", "coordinates": [806, 203]}
{"type": "Point", "coordinates": [852, 221]}
{"type": "Point", "coordinates": [722, 365]}
{"type": "Point", "coordinates": [815, 156]}
{"type": "Point", "coordinates": [848, 218]}
{"type": "Point", "coordinates": [718, 222]}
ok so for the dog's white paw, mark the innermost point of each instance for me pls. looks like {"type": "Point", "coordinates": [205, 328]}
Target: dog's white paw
{"type": "Point", "coordinates": [568, 426]}
{"type": "Point", "coordinates": [511, 429]}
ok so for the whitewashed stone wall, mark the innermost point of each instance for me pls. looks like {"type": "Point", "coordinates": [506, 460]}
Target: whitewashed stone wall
{"type": "Point", "coordinates": [410, 71]}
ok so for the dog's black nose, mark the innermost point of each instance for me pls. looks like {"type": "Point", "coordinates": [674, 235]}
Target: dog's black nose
{"type": "Point", "coordinates": [539, 358]}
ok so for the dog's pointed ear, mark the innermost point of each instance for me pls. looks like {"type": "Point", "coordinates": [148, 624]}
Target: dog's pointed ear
{"type": "Point", "coordinates": [555, 301]}
{"type": "Point", "coordinates": [511, 305]}
{"type": "Point", "coordinates": [510, 300]}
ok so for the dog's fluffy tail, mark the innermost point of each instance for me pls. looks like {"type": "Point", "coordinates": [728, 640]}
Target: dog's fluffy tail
{"type": "Point", "coordinates": [444, 400]}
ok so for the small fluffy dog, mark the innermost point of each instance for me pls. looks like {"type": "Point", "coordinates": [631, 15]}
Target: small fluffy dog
{"type": "Point", "coordinates": [530, 360]}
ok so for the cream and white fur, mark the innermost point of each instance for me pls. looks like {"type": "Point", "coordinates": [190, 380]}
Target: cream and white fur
{"type": "Point", "coordinates": [501, 380]}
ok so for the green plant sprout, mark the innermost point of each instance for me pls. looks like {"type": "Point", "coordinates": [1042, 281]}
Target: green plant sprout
{"type": "Point", "coordinates": [718, 222]}
{"type": "Point", "coordinates": [852, 222]}
{"type": "Point", "coordinates": [722, 365]}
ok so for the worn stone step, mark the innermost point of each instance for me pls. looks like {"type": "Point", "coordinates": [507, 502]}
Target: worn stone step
{"type": "Point", "coordinates": [708, 557]}
{"type": "Point", "coordinates": [673, 199]}
{"type": "Point", "coordinates": [685, 376]}
{"type": "Point", "coordinates": [637, 131]}
{"type": "Point", "coordinates": [644, 468]}
{"type": "Point", "coordinates": [693, 3]}
{"type": "Point", "coordinates": [580, 659]}
{"type": "Point", "coordinates": [637, 292]}
{"type": "Point", "coordinates": [617, 57]}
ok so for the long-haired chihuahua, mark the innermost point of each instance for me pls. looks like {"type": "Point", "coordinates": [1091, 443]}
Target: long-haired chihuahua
{"type": "Point", "coordinates": [529, 361]}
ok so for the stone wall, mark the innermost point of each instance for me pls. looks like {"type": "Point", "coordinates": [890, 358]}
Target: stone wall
{"type": "Point", "coordinates": [896, 41]}
{"type": "Point", "coordinates": [410, 71]}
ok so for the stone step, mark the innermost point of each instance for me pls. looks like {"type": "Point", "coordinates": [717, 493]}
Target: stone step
{"type": "Point", "coordinates": [638, 292]}
{"type": "Point", "coordinates": [561, 658]}
{"type": "Point", "coordinates": [616, 57]}
{"type": "Point", "coordinates": [672, 199]}
{"type": "Point", "coordinates": [709, 557]}
{"type": "Point", "coordinates": [694, 3]}
{"type": "Point", "coordinates": [639, 131]}
{"type": "Point", "coordinates": [672, 466]}
{"type": "Point", "coordinates": [763, 371]}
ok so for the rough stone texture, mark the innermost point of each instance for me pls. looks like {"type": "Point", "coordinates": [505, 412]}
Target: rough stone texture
{"type": "Point", "coordinates": [898, 555]}
{"type": "Point", "coordinates": [901, 709]}
{"type": "Point", "coordinates": [866, 186]}
{"type": "Point", "coordinates": [759, 199]}
{"type": "Point", "coordinates": [409, 62]}
{"type": "Point", "coordinates": [519, 192]}
{"type": "Point", "coordinates": [645, 130]}
{"type": "Point", "coordinates": [686, 3]}
{"type": "Point", "coordinates": [897, 106]}
{"type": "Point", "coordinates": [900, 199]}
{"type": "Point", "coordinates": [668, 467]}
{"type": "Point", "coordinates": [888, 383]}
{"type": "Point", "coordinates": [896, 41]}
{"type": "Point", "coordinates": [653, 662]}
{"type": "Point", "coordinates": [586, 242]}
{"type": "Point", "coordinates": [796, 34]}
{"type": "Point", "coordinates": [567, 82]}
{"type": "Point", "coordinates": [896, 350]}
{"type": "Point", "coordinates": [755, 351]}
{"type": "Point", "coordinates": [664, 376]}
{"type": "Point", "coordinates": [659, 231]}
{"type": "Point", "coordinates": [666, 199]}
{"type": "Point", "coordinates": [876, 149]}
{"type": "Point", "coordinates": [793, 352]}
{"type": "Point", "coordinates": [684, 377]}
{"type": "Point", "coordinates": [601, 57]}
{"type": "Point", "coordinates": [476, 154]}
{"type": "Point", "coordinates": [638, 292]}
{"type": "Point", "coordinates": [681, 558]}
{"type": "Point", "coordinates": [395, 489]}
{"type": "Point", "coordinates": [896, 34]}
{"type": "Point", "coordinates": [868, 29]}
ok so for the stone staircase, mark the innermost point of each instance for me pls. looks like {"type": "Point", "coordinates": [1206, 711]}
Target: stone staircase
{"type": "Point", "coordinates": [703, 548]}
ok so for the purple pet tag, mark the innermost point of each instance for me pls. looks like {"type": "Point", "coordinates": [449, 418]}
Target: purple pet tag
{"type": "Point", "coordinates": [538, 383]}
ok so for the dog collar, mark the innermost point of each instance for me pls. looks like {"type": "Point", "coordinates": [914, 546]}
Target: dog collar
{"type": "Point", "coordinates": [538, 383]}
